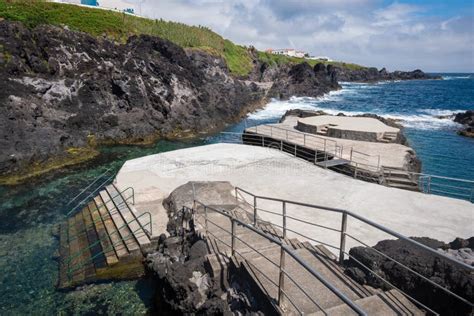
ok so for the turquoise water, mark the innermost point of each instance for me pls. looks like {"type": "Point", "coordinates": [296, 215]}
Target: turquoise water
{"type": "Point", "coordinates": [29, 212]}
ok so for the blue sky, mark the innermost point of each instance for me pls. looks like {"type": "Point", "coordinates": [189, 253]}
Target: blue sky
{"type": "Point", "coordinates": [436, 36]}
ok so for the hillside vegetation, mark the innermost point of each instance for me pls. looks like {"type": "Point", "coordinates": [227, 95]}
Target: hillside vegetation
{"type": "Point", "coordinates": [120, 26]}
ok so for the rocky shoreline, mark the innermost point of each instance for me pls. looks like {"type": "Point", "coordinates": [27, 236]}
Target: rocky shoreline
{"type": "Point", "coordinates": [64, 93]}
{"type": "Point", "coordinates": [466, 119]}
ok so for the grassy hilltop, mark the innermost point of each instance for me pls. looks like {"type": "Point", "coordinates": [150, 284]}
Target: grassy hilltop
{"type": "Point", "coordinates": [120, 26]}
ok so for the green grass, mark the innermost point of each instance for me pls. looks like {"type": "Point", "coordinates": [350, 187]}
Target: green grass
{"type": "Point", "coordinates": [120, 26]}
{"type": "Point", "coordinates": [272, 59]}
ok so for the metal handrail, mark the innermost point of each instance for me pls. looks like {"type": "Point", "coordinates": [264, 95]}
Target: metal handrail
{"type": "Point", "coordinates": [342, 252]}
{"type": "Point", "coordinates": [287, 250]}
{"type": "Point", "coordinates": [111, 212]}
{"type": "Point", "coordinates": [376, 170]}
{"type": "Point", "coordinates": [90, 184]}
{"type": "Point", "coordinates": [126, 203]}
{"type": "Point", "coordinates": [89, 195]}
{"type": "Point", "coordinates": [110, 248]}
{"type": "Point", "coordinates": [362, 219]}
{"type": "Point", "coordinates": [117, 231]}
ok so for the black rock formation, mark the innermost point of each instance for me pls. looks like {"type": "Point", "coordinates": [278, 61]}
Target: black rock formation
{"type": "Point", "coordinates": [441, 271]}
{"type": "Point", "coordinates": [61, 89]}
{"type": "Point", "coordinates": [467, 119]}
{"type": "Point", "coordinates": [373, 75]}
{"type": "Point", "coordinates": [303, 80]}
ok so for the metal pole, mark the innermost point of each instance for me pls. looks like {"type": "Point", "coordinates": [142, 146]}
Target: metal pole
{"type": "Point", "coordinates": [254, 211]}
{"type": "Point", "coordinates": [281, 279]}
{"type": "Point", "coordinates": [295, 150]}
{"type": "Point", "coordinates": [284, 219]}
{"type": "Point", "coordinates": [351, 154]}
{"type": "Point", "coordinates": [232, 244]}
{"type": "Point", "coordinates": [281, 145]}
{"type": "Point", "coordinates": [263, 141]}
{"type": "Point", "coordinates": [429, 184]}
{"type": "Point", "coordinates": [304, 139]}
{"type": "Point", "coordinates": [343, 237]}
{"type": "Point", "coordinates": [205, 219]}
{"type": "Point", "coordinates": [236, 198]}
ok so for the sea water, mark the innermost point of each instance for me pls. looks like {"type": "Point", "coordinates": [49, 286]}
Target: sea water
{"type": "Point", "coordinates": [29, 212]}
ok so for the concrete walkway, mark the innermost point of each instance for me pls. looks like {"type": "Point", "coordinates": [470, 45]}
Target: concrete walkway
{"type": "Point", "coordinates": [269, 172]}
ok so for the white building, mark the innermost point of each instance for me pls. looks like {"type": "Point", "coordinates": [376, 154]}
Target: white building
{"type": "Point", "coordinates": [291, 52]}
{"type": "Point", "coordinates": [116, 5]}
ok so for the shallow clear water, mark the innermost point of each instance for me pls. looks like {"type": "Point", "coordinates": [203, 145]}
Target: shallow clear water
{"type": "Point", "coordinates": [29, 212]}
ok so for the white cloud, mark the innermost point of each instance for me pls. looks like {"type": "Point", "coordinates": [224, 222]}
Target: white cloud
{"type": "Point", "coordinates": [396, 36]}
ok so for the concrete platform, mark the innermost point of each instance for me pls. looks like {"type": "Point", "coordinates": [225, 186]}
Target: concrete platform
{"type": "Point", "coordinates": [269, 172]}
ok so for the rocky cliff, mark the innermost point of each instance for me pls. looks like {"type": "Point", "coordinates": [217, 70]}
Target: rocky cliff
{"type": "Point", "coordinates": [63, 93]}
{"type": "Point", "coordinates": [63, 90]}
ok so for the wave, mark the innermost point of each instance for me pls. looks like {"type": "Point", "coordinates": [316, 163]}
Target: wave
{"type": "Point", "coordinates": [440, 112]}
{"type": "Point", "coordinates": [456, 77]}
{"type": "Point", "coordinates": [276, 108]}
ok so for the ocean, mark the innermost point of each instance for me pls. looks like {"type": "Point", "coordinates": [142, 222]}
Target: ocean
{"type": "Point", "coordinates": [29, 212]}
{"type": "Point", "coordinates": [417, 105]}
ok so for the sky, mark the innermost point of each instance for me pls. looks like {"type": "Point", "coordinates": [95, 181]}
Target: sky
{"type": "Point", "coordinates": [435, 36]}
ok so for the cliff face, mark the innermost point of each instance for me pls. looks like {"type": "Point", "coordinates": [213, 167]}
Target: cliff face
{"type": "Point", "coordinates": [62, 89]}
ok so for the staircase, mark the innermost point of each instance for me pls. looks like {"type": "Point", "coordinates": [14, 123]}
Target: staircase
{"type": "Point", "coordinates": [399, 178]}
{"type": "Point", "coordinates": [389, 137]}
{"type": "Point", "coordinates": [259, 258]}
{"type": "Point", "coordinates": [104, 240]}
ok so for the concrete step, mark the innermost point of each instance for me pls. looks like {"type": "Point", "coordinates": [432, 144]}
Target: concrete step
{"type": "Point", "coordinates": [326, 258]}
{"type": "Point", "coordinates": [403, 186]}
{"type": "Point", "coordinates": [79, 251]}
{"type": "Point", "coordinates": [111, 231]}
{"type": "Point", "coordinates": [94, 244]}
{"type": "Point", "coordinates": [397, 174]}
{"type": "Point", "coordinates": [129, 217]}
{"type": "Point", "coordinates": [404, 181]}
{"type": "Point", "coordinates": [96, 221]}
{"type": "Point", "coordinates": [386, 303]}
{"type": "Point", "coordinates": [260, 267]}
{"type": "Point", "coordinates": [122, 227]}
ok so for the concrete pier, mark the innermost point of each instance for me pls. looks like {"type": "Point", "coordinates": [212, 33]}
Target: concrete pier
{"type": "Point", "coordinates": [269, 172]}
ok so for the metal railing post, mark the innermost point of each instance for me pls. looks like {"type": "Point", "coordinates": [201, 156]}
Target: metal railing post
{"type": "Point", "coordinates": [281, 145]}
{"type": "Point", "coordinates": [342, 246]}
{"type": "Point", "coordinates": [304, 139]}
{"type": "Point", "coordinates": [295, 150]}
{"type": "Point", "coordinates": [284, 219]}
{"type": "Point", "coordinates": [232, 231]}
{"type": "Point", "coordinates": [205, 220]}
{"type": "Point", "coordinates": [254, 211]}
{"type": "Point", "coordinates": [281, 279]}
{"type": "Point", "coordinates": [263, 141]}
{"type": "Point", "coordinates": [355, 171]}
{"type": "Point", "coordinates": [429, 184]}
{"type": "Point", "coordinates": [351, 154]}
